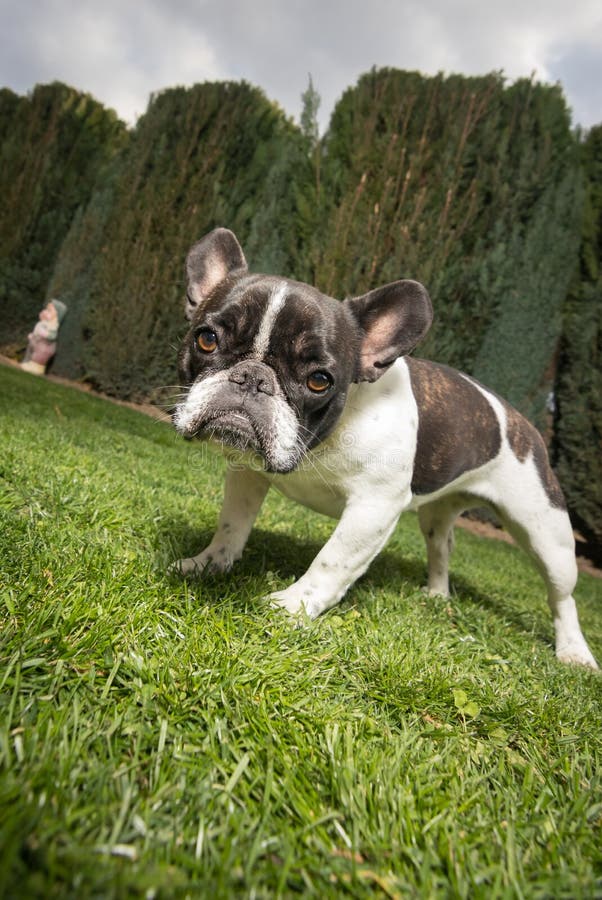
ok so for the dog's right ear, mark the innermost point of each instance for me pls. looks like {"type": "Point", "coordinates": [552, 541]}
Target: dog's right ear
{"type": "Point", "coordinates": [209, 261]}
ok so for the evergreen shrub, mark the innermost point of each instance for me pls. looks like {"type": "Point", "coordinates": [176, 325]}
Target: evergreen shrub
{"type": "Point", "coordinates": [474, 189]}
{"type": "Point", "coordinates": [578, 426]}
{"type": "Point", "coordinates": [53, 145]}
{"type": "Point", "coordinates": [216, 154]}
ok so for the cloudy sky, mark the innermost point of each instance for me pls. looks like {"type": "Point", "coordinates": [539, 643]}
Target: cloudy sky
{"type": "Point", "coordinates": [122, 50]}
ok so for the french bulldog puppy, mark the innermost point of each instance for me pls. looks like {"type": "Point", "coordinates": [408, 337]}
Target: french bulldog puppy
{"type": "Point", "coordinates": [318, 398]}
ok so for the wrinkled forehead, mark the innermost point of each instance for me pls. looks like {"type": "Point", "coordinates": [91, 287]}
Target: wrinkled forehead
{"type": "Point", "coordinates": [266, 309]}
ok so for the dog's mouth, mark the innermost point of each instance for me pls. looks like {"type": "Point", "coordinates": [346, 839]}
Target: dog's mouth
{"type": "Point", "coordinates": [231, 427]}
{"type": "Point", "coordinates": [271, 434]}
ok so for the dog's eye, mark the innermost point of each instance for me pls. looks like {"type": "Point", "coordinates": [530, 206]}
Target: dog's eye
{"type": "Point", "coordinates": [318, 382]}
{"type": "Point", "coordinates": [207, 340]}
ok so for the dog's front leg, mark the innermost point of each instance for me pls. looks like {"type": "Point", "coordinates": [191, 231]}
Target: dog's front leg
{"type": "Point", "coordinates": [243, 495]}
{"type": "Point", "coordinates": [363, 530]}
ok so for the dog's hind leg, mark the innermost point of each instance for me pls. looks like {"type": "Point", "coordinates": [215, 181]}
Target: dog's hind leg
{"type": "Point", "coordinates": [544, 531]}
{"type": "Point", "coordinates": [436, 521]}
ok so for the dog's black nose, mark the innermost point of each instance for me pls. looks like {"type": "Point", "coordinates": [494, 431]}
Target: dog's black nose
{"type": "Point", "coordinates": [253, 378]}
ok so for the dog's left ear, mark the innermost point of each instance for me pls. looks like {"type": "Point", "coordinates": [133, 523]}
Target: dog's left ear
{"type": "Point", "coordinates": [208, 263]}
{"type": "Point", "coordinates": [392, 320]}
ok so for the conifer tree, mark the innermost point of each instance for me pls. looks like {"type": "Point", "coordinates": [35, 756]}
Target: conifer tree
{"type": "Point", "coordinates": [578, 425]}
{"type": "Point", "coordinates": [310, 104]}
{"type": "Point", "coordinates": [217, 154]}
{"type": "Point", "coordinates": [53, 145]}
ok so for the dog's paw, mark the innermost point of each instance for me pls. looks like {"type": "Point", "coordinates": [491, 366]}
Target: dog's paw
{"type": "Point", "coordinates": [305, 599]}
{"type": "Point", "coordinates": [299, 610]}
{"type": "Point", "coordinates": [186, 567]}
{"type": "Point", "coordinates": [208, 561]}
{"type": "Point", "coordinates": [287, 602]}
{"type": "Point", "coordinates": [298, 602]}
{"type": "Point", "coordinates": [577, 654]}
{"type": "Point", "coordinates": [436, 590]}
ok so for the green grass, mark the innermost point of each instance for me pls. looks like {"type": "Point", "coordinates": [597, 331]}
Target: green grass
{"type": "Point", "coordinates": [160, 738]}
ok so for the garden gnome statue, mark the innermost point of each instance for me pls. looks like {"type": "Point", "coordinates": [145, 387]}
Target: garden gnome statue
{"type": "Point", "coordinates": [41, 345]}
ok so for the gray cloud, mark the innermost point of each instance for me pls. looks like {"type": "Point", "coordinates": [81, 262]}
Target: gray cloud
{"type": "Point", "coordinates": [122, 50]}
{"type": "Point", "coordinates": [579, 70]}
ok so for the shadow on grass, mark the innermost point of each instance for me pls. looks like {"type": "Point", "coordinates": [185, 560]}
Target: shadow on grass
{"type": "Point", "coordinates": [288, 557]}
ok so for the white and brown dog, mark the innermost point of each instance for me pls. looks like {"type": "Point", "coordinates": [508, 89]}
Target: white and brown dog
{"type": "Point", "coordinates": [317, 398]}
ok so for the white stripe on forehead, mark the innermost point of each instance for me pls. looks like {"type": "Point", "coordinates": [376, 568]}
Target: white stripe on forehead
{"type": "Point", "coordinates": [275, 304]}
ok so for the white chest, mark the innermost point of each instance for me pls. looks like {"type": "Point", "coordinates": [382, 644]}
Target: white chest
{"type": "Point", "coordinates": [373, 444]}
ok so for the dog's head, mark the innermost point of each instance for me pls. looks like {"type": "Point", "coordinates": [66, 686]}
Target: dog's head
{"type": "Point", "coordinates": [267, 362]}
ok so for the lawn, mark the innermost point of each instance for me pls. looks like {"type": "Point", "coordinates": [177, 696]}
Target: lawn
{"type": "Point", "coordinates": [164, 738]}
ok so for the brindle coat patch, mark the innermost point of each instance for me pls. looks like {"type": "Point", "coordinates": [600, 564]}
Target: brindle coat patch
{"type": "Point", "coordinates": [458, 431]}
{"type": "Point", "coordinates": [457, 428]}
{"type": "Point", "coordinates": [525, 439]}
